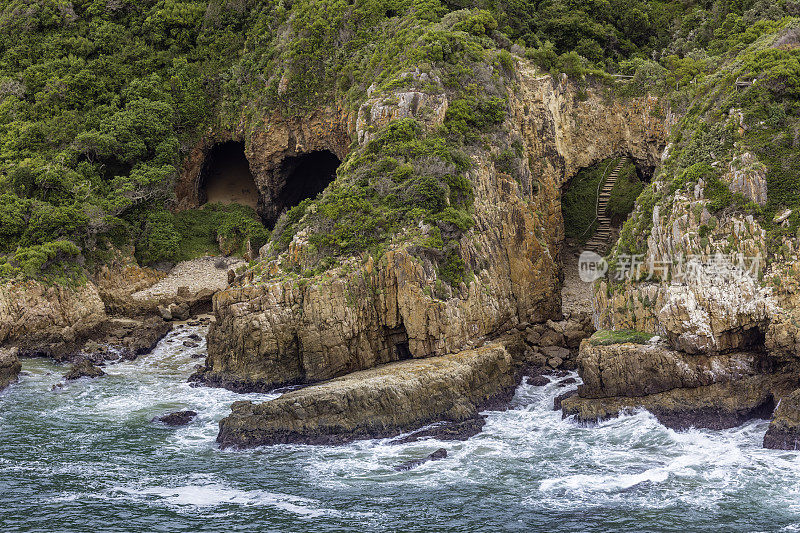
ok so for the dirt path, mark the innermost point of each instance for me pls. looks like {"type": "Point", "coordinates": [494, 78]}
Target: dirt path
{"type": "Point", "coordinates": [576, 294]}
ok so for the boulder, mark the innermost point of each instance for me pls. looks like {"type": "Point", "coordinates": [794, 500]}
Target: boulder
{"type": "Point", "coordinates": [380, 402]}
{"type": "Point", "coordinates": [551, 338]}
{"type": "Point", "coordinates": [83, 369]}
{"type": "Point", "coordinates": [178, 418]}
{"type": "Point", "coordinates": [10, 367]}
{"type": "Point", "coordinates": [144, 337]}
{"type": "Point", "coordinates": [164, 312]}
{"type": "Point", "coordinates": [561, 397]}
{"type": "Point", "coordinates": [441, 453]}
{"type": "Point", "coordinates": [552, 352]}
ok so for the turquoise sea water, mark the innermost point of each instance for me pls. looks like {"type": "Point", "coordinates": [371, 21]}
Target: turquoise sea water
{"type": "Point", "coordinates": [86, 457]}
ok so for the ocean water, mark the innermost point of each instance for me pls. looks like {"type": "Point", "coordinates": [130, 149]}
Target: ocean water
{"type": "Point", "coordinates": [86, 457]}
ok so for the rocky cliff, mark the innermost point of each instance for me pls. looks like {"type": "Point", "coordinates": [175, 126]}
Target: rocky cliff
{"type": "Point", "coordinates": [369, 310]}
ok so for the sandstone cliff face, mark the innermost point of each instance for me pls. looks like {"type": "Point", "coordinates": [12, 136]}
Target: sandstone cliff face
{"type": "Point", "coordinates": [697, 284]}
{"type": "Point", "coordinates": [681, 390]}
{"type": "Point", "coordinates": [380, 402]}
{"type": "Point", "coordinates": [42, 319]}
{"type": "Point", "coordinates": [367, 312]}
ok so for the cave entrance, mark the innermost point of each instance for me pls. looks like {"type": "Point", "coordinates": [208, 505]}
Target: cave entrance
{"type": "Point", "coordinates": [226, 178]}
{"type": "Point", "coordinates": [300, 177]}
{"type": "Point", "coordinates": [397, 338]}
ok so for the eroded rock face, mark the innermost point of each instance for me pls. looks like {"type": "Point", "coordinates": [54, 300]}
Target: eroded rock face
{"type": "Point", "coordinates": [10, 367]}
{"type": "Point", "coordinates": [48, 320]}
{"type": "Point", "coordinates": [681, 390]}
{"type": "Point", "coordinates": [380, 402]}
{"type": "Point", "coordinates": [633, 370]}
{"type": "Point", "coordinates": [367, 313]}
{"type": "Point", "coordinates": [700, 297]}
{"type": "Point", "coordinates": [266, 146]}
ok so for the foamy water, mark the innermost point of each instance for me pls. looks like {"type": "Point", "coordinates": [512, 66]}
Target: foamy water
{"type": "Point", "coordinates": [86, 457]}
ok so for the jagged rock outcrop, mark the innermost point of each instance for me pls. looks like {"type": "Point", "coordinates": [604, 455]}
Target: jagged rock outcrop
{"type": "Point", "coordinates": [10, 367]}
{"type": "Point", "coordinates": [380, 402]}
{"type": "Point", "coordinates": [681, 390]}
{"type": "Point", "coordinates": [48, 319]}
{"type": "Point", "coordinates": [784, 429]}
{"type": "Point", "coordinates": [690, 286]}
{"type": "Point", "coordinates": [369, 312]}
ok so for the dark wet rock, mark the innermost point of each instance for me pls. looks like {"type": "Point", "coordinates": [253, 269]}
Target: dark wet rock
{"type": "Point", "coordinates": [441, 453]}
{"type": "Point", "coordinates": [144, 337]}
{"type": "Point", "coordinates": [462, 430]}
{"type": "Point", "coordinates": [535, 375]}
{"type": "Point", "coordinates": [179, 418]}
{"type": "Point", "coordinates": [190, 344]}
{"type": "Point", "coordinates": [83, 369]}
{"type": "Point", "coordinates": [198, 356]}
{"type": "Point", "coordinates": [538, 381]}
{"type": "Point", "coordinates": [195, 337]}
{"type": "Point", "coordinates": [10, 367]}
{"type": "Point", "coordinates": [716, 406]}
{"type": "Point", "coordinates": [561, 397]}
{"type": "Point", "coordinates": [566, 381]}
{"type": "Point", "coordinates": [784, 428]}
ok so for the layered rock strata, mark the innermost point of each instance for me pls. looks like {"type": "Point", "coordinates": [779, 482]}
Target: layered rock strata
{"type": "Point", "coordinates": [380, 402]}
{"type": "Point", "coordinates": [681, 390]}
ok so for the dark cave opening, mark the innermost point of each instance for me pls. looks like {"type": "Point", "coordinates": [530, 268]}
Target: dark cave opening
{"type": "Point", "coordinates": [226, 178]}
{"type": "Point", "coordinates": [397, 339]}
{"type": "Point", "coordinates": [300, 177]}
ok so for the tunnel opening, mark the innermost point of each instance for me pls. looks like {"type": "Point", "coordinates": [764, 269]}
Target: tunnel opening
{"type": "Point", "coordinates": [300, 177]}
{"type": "Point", "coordinates": [226, 178]}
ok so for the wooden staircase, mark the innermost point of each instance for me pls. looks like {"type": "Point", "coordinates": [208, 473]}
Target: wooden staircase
{"type": "Point", "coordinates": [599, 240]}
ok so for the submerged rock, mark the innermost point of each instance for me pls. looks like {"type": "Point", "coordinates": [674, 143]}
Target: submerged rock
{"type": "Point", "coordinates": [10, 367]}
{"type": "Point", "coordinates": [178, 418]}
{"type": "Point", "coordinates": [441, 453]}
{"type": "Point", "coordinates": [83, 369]}
{"type": "Point", "coordinates": [447, 430]}
{"type": "Point", "coordinates": [380, 402]}
{"type": "Point", "coordinates": [784, 429]}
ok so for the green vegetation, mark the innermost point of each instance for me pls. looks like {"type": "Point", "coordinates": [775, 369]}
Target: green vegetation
{"type": "Point", "coordinates": [579, 201]}
{"type": "Point", "coordinates": [627, 188]}
{"type": "Point", "coordinates": [100, 102]}
{"type": "Point", "coordinates": [605, 337]}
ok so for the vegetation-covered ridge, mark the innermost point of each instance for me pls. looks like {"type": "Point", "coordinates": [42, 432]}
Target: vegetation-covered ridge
{"type": "Point", "coordinates": [739, 115]}
{"type": "Point", "coordinates": [100, 101]}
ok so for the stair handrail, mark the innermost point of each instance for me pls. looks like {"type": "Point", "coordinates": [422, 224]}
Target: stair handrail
{"type": "Point", "coordinates": [597, 199]}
